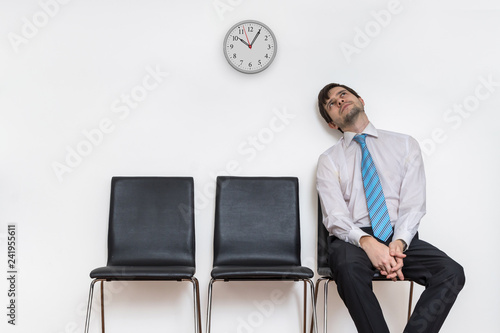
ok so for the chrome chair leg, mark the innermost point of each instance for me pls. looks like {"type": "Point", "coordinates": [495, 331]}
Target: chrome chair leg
{"type": "Point", "coordinates": [411, 300]}
{"type": "Point", "coordinates": [102, 307]}
{"type": "Point", "coordinates": [209, 304]}
{"type": "Point", "coordinates": [89, 306]}
{"type": "Point", "coordinates": [313, 305]}
{"type": "Point", "coordinates": [325, 329]}
{"type": "Point", "coordinates": [196, 298]}
{"type": "Point", "coordinates": [316, 291]}
{"type": "Point", "coordinates": [305, 306]}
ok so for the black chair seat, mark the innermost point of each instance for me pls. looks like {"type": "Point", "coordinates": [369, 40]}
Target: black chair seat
{"type": "Point", "coordinates": [325, 271]}
{"type": "Point", "coordinates": [143, 272]}
{"type": "Point", "coordinates": [262, 272]}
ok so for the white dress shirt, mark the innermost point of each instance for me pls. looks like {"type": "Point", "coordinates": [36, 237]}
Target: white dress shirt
{"type": "Point", "coordinates": [399, 164]}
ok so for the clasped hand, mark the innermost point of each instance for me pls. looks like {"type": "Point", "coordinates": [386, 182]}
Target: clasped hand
{"type": "Point", "coordinates": [387, 259]}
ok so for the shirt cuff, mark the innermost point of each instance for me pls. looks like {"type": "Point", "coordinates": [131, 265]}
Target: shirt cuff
{"type": "Point", "coordinates": [355, 235]}
{"type": "Point", "coordinates": [404, 236]}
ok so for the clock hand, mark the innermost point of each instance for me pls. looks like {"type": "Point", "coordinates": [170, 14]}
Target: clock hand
{"type": "Point", "coordinates": [241, 40]}
{"type": "Point", "coordinates": [256, 35]}
{"type": "Point", "coordinates": [248, 42]}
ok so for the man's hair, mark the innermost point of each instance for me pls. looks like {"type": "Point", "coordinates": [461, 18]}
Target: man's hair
{"type": "Point", "coordinates": [323, 97]}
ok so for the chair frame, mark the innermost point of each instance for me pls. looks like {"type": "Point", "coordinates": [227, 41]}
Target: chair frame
{"type": "Point", "coordinates": [314, 325]}
{"type": "Point", "coordinates": [196, 297]}
{"type": "Point", "coordinates": [328, 279]}
{"type": "Point", "coordinates": [280, 279]}
{"type": "Point", "coordinates": [183, 278]}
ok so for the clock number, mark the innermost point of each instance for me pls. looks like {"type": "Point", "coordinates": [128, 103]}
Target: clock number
{"type": "Point", "coordinates": [266, 56]}
{"type": "Point", "coordinates": [260, 63]}
{"type": "Point", "coordinates": [249, 64]}
{"type": "Point", "coordinates": [250, 29]}
{"type": "Point", "coordinates": [234, 55]}
{"type": "Point", "coordinates": [241, 62]}
{"type": "Point", "coordinates": [231, 46]}
{"type": "Point", "coordinates": [266, 37]}
{"type": "Point", "coordinates": [235, 38]}
{"type": "Point", "coordinates": [268, 46]}
{"type": "Point", "coordinates": [241, 31]}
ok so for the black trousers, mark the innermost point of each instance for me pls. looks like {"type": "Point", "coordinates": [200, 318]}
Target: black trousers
{"type": "Point", "coordinates": [442, 277]}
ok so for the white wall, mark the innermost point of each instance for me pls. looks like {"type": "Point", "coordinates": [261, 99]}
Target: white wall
{"type": "Point", "coordinates": [416, 69]}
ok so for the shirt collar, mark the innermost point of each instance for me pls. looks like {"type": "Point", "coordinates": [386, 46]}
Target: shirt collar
{"type": "Point", "coordinates": [370, 130]}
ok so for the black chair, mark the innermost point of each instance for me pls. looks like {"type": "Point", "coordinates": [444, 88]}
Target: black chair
{"type": "Point", "coordinates": [151, 236]}
{"type": "Point", "coordinates": [326, 273]}
{"type": "Point", "coordinates": [257, 234]}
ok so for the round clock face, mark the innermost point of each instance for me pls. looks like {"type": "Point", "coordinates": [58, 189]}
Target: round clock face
{"type": "Point", "coordinates": [250, 46]}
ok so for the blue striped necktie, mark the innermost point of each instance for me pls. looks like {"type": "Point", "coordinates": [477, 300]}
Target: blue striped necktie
{"type": "Point", "coordinates": [375, 199]}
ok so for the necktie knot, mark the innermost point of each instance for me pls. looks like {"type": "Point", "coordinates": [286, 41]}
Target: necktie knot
{"type": "Point", "coordinates": [360, 138]}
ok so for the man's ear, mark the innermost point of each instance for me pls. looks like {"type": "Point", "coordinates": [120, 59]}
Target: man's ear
{"type": "Point", "coordinates": [361, 101]}
{"type": "Point", "coordinates": [332, 125]}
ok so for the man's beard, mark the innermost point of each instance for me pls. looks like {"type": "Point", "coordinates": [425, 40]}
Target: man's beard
{"type": "Point", "coordinates": [351, 117]}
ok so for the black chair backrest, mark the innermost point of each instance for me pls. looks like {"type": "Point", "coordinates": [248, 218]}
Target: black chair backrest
{"type": "Point", "coordinates": [323, 234]}
{"type": "Point", "coordinates": [257, 221]}
{"type": "Point", "coordinates": [151, 222]}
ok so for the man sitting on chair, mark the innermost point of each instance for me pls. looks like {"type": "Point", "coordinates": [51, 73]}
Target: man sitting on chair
{"type": "Point", "coordinates": [372, 191]}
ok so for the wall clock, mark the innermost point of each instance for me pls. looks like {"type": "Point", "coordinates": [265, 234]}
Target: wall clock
{"type": "Point", "coordinates": [250, 46]}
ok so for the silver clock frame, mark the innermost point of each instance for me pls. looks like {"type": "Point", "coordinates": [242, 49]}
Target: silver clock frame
{"type": "Point", "coordinates": [224, 43]}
